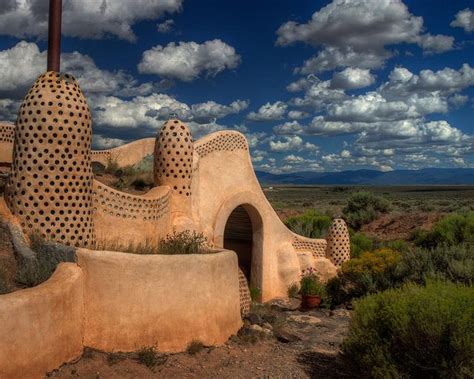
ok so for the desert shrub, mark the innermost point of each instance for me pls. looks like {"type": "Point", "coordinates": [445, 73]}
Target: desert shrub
{"type": "Point", "coordinates": [373, 271]}
{"type": "Point", "coordinates": [364, 207]}
{"type": "Point", "coordinates": [451, 230]}
{"type": "Point", "coordinates": [360, 243]}
{"type": "Point", "coordinates": [111, 166]}
{"type": "Point", "coordinates": [149, 357]}
{"type": "Point", "coordinates": [413, 332]}
{"type": "Point", "coordinates": [48, 255]}
{"type": "Point", "coordinates": [185, 242]}
{"type": "Point", "coordinates": [310, 224]}
{"type": "Point", "coordinates": [293, 290]}
{"type": "Point", "coordinates": [195, 347]}
{"type": "Point", "coordinates": [397, 245]}
{"type": "Point", "coordinates": [454, 263]}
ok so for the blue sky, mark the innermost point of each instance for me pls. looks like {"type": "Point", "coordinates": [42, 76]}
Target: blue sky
{"type": "Point", "coordinates": [314, 85]}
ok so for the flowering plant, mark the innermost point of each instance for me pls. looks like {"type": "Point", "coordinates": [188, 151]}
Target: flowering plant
{"type": "Point", "coordinates": [310, 283]}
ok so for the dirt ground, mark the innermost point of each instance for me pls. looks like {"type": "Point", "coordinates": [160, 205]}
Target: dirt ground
{"type": "Point", "coordinates": [306, 345]}
{"type": "Point", "coordinates": [399, 226]}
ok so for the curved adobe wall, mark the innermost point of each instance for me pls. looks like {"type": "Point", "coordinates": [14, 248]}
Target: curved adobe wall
{"type": "Point", "coordinates": [132, 301]}
{"type": "Point", "coordinates": [41, 327]}
{"type": "Point", "coordinates": [125, 155]}
{"type": "Point", "coordinates": [276, 261]}
{"type": "Point", "coordinates": [122, 219]}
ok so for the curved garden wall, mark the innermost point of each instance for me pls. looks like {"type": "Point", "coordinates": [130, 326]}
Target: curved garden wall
{"type": "Point", "coordinates": [122, 219]}
{"type": "Point", "coordinates": [42, 327]}
{"type": "Point", "coordinates": [132, 300]}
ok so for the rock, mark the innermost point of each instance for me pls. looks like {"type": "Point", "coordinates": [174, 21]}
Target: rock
{"type": "Point", "coordinates": [285, 336]}
{"type": "Point", "coordinates": [253, 318]}
{"type": "Point", "coordinates": [256, 328]}
{"type": "Point", "coordinates": [304, 319]}
{"type": "Point", "coordinates": [286, 304]}
{"type": "Point", "coordinates": [325, 269]}
{"type": "Point", "coordinates": [268, 326]}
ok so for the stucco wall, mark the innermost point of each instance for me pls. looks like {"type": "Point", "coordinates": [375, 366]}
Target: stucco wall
{"type": "Point", "coordinates": [123, 219]}
{"type": "Point", "coordinates": [224, 179]}
{"type": "Point", "coordinates": [132, 301]}
{"type": "Point", "coordinates": [41, 327]}
{"type": "Point", "coordinates": [126, 155]}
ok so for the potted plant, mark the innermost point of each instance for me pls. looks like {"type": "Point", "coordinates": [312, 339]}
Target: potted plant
{"type": "Point", "coordinates": [311, 288]}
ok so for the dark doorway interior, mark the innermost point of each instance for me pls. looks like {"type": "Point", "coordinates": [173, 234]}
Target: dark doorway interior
{"type": "Point", "coordinates": [238, 236]}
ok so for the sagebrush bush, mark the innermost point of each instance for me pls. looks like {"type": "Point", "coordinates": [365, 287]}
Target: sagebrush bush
{"type": "Point", "coordinates": [360, 243]}
{"type": "Point", "coordinates": [310, 224]}
{"type": "Point", "coordinates": [185, 242]}
{"type": "Point", "coordinates": [373, 271]}
{"type": "Point", "coordinates": [48, 255]}
{"type": "Point", "coordinates": [364, 207]}
{"type": "Point", "coordinates": [454, 263]}
{"type": "Point", "coordinates": [451, 230]}
{"type": "Point", "coordinates": [413, 332]}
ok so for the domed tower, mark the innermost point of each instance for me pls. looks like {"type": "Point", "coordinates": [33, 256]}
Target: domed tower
{"type": "Point", "coordinates": [173, 161]}
{"type": "Point", "coordinates": [50, 186]}
{"type": "Point", "coordinates": [338, 249]}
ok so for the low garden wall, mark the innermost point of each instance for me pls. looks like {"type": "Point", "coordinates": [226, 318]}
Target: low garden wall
{"type": "Point", "coordinates": [166, 301]}
{"type": "Point", "coordinates": [42, 327]}
{"type": "Point", "coordinates": [119, 302]}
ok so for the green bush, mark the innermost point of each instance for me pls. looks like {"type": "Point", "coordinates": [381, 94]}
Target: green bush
{"type": "Point", "coordinates": [413, 332]}
{"type": "Point", "coordinates": [451, 230]}
{"type": "Point", "coordinates": [311, 285]}
{"type": "Point", "coordinates": [364, 207]}
{"type": "Point", "coordinates": [373, 271]}
{"type": "Point", "coordinates": [454, 263]}
{"type": "Point", "coordinates": [360, 243]}
{"type": "Point", "coordinates": [310, 224]}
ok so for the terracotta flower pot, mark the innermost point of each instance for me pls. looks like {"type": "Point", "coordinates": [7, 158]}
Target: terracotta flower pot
{"type": "Point", "coordinates": [310, 301]}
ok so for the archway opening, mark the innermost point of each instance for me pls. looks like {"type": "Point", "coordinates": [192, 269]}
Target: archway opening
{"type": "Point", "coordinates": [238, 236]}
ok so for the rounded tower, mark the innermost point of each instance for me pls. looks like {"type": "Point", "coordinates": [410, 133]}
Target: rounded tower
{"type": "Point", "coordinates": [173, 162]}
{"type": "Point", "coordinates": [338, 248]}
{"type": "Point", "coordinates": [50, 186]}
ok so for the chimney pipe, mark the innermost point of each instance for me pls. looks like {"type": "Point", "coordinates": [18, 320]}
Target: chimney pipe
{"type": "Point", "coordinates": [54, 35]}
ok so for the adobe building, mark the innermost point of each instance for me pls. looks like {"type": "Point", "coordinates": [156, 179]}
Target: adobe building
{"type": "Point", "coordinates": [118, 301]}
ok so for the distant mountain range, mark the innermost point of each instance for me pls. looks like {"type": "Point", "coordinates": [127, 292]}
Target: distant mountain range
{"type": "Point", "coordinates": [373, 177]}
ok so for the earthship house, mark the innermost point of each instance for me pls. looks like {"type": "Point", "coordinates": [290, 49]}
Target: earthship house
{"type": "Point", "coordinates": [115, 301]}
{"type": "Point", "coordinates": [208, 186]}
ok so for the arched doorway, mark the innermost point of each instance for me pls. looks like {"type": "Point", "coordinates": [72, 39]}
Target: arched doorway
{"type": "Point", "coordinates": [239, 237]}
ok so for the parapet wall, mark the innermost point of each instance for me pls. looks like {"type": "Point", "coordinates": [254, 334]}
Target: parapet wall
{"type": "Point", "coordinates": [42, 327]}
{"type": "Point", "coordinates": [119, 302]}
{"type": "Point", "coordinates": [122, 218]}
{"type": "Point", "coordinates": [166, 301]}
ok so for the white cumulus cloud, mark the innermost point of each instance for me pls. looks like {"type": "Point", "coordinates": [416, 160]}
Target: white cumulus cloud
{"type": "Point", "coordinates": [186, 61]}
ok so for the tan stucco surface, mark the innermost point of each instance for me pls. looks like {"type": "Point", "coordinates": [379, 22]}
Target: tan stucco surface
{"type": "Point", "coordinates": [41, 327]}
{"type": "Point", "coordinates": [122, 219]}
{"type": "Point", "coordinates": [125, 155]}
{"type": "Point", "coordinates": [223, 179]}
{"type": "Point", "coordinates": [132, 301]}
